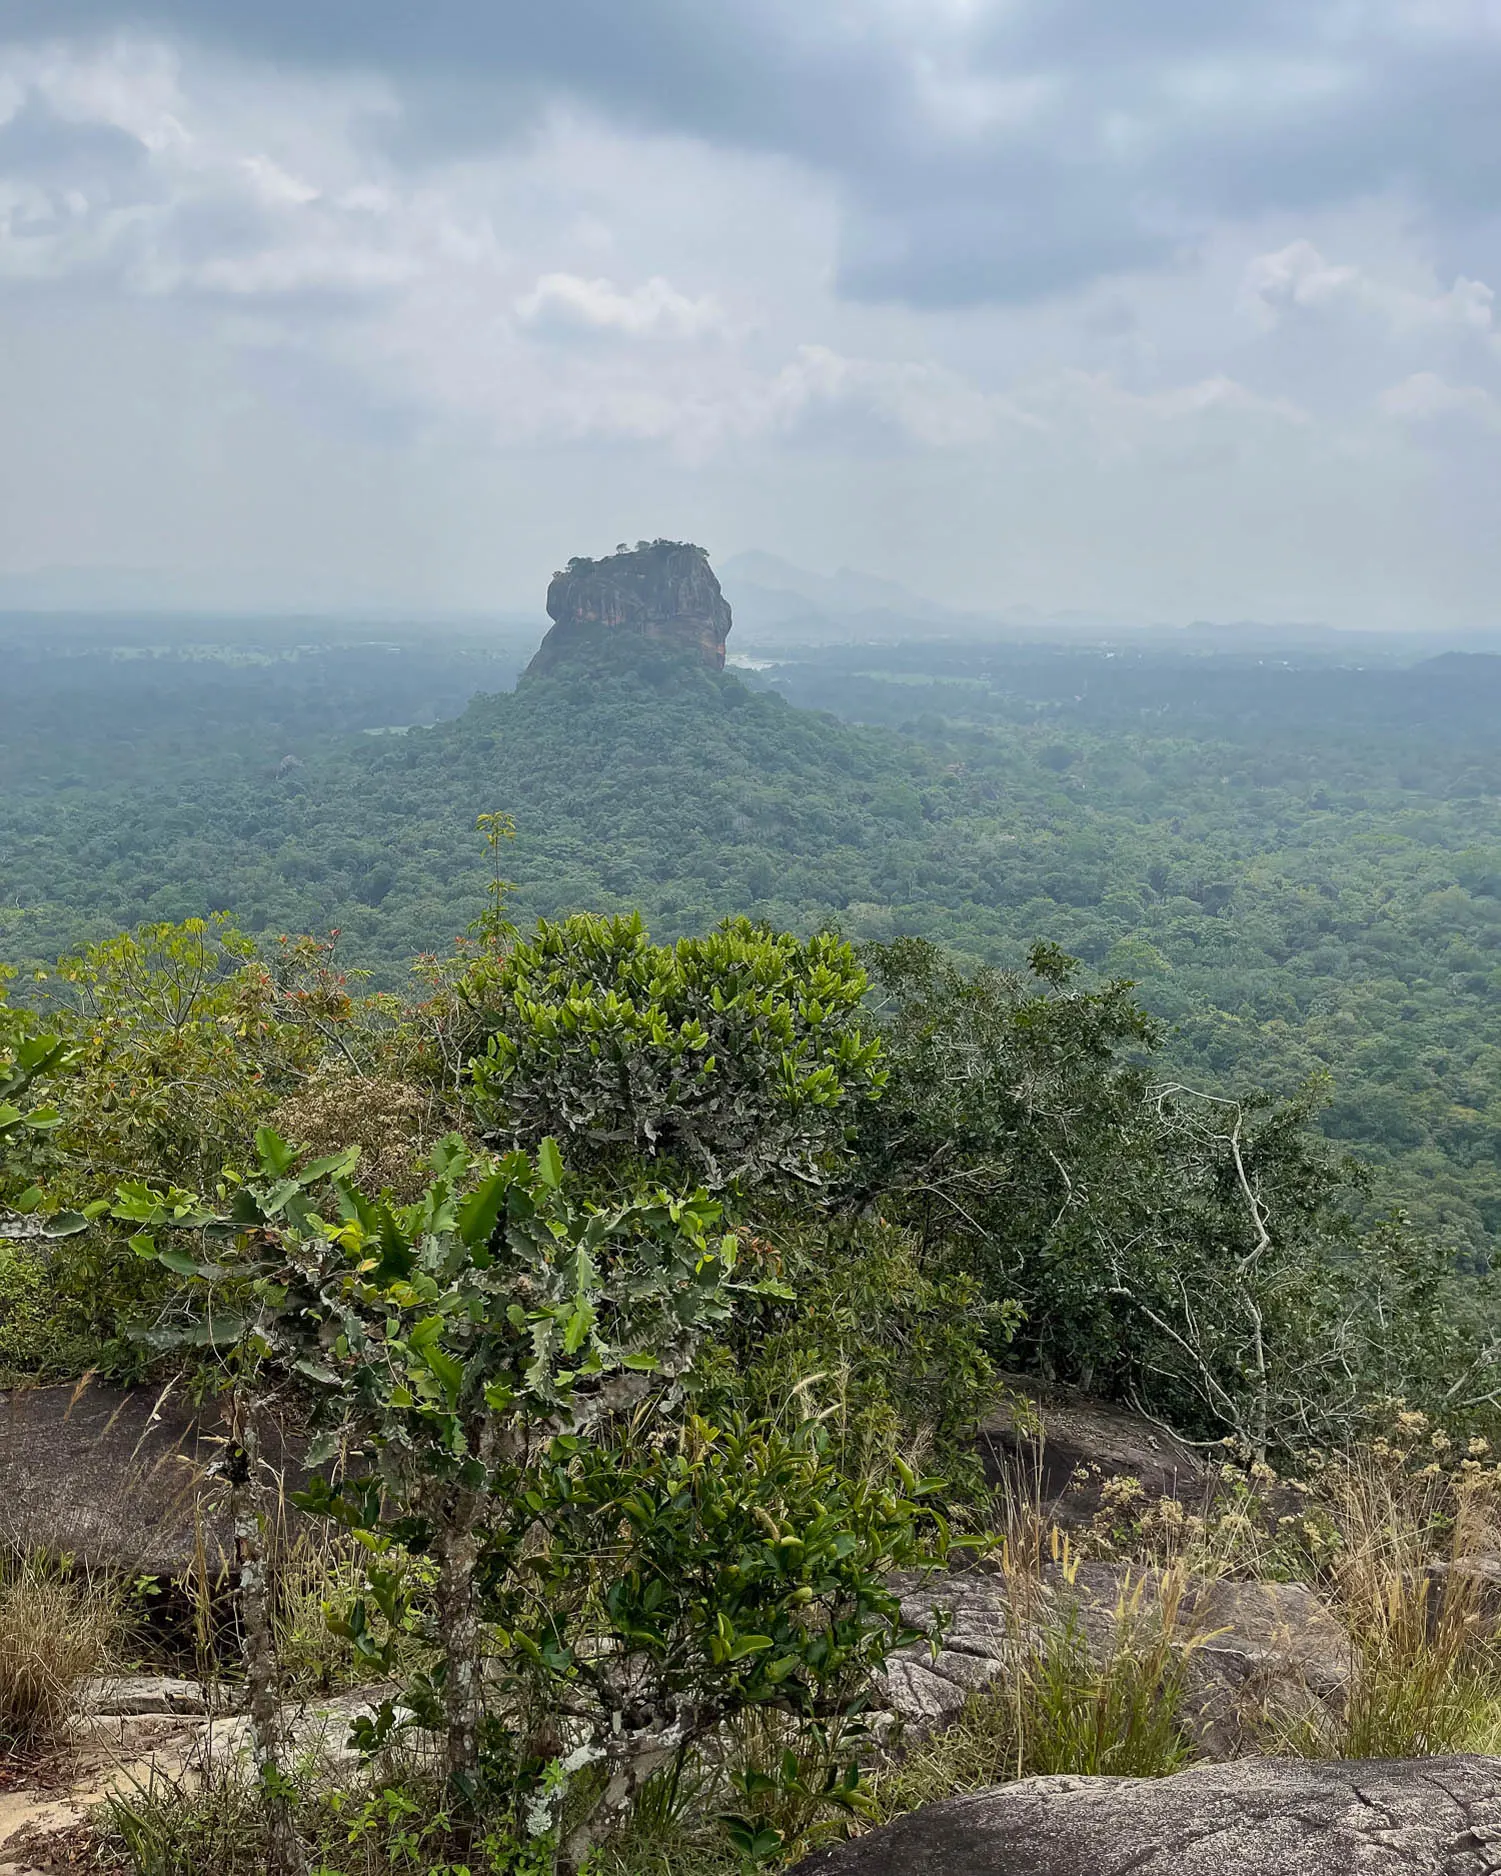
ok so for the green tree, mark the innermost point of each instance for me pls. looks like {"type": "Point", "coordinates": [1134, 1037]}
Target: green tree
{"type": "Point", "coordinates": [182, 1040]}
{"type": "Point", "coordinates": [500, 1375]}
{"type": "Point", "coordinates": [445, 1340]}
{"type": "Point", "coordinates": [1194, 1255]}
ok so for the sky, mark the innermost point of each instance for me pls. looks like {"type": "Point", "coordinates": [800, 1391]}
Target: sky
{"type": "Point", "coordinates": [1156, 308]}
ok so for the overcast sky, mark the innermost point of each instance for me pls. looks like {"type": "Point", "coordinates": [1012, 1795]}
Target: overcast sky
{"type": "Point", "coordinates": [1178, 308]}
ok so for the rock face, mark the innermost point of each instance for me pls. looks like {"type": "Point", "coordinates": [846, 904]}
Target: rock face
{"type": "Point", "coordinates": [1255, 1817]}
{"type": "Point", "coordinates": [118, 1476]}
{"type": "Point", "coordinates": [663, 590]}
{"type": "Point", "coordinates": [1258, 1658]}
{"type": "Point", "coordinates": [1267, 1658]}
{"type": "Point", "coordinates": [1059, 1450]}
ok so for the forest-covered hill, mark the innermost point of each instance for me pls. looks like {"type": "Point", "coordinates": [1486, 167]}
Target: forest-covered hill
{"type": "Point", "coordinates": [1299, 862]}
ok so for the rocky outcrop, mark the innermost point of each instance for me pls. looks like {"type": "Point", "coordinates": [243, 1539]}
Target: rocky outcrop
{"type": "Point", "coordinates": [1256, 1817]}
{"type": "Point", "coordinates": [1259, 1661]}
{"type": "Point", "coordinates": [1059, 1450]}
{"type": "Point", "coordinates": [1268, 1661]}
{"type": "Point", "coordinates": [137, 1732]}
{"type": "Point", "coordinates": [661, 590]}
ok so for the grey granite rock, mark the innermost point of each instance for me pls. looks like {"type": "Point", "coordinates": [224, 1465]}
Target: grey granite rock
{"type": "Point", "coordinates": [1259, 1658]}
{"type": "Point", "coordinates": [663, 590]}
{"type": "Point", "coordinates": [119, 1476]}
{"type": "Point", "coordinates": [127, 1695]}
{"type": "Point", "coordinates": [1059, 1449]}
{"type": "Point", "coordinates": [1255, 1817]}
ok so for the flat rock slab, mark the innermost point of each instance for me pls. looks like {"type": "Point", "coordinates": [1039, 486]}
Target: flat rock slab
{"type": "Point", "coordinates": [111, 1475]}
{"type": "Point", "coordinates": [117, 1476]}
{"type": "Point", "coordinates": [127, 1695]}
{"type": "Point", "coordinates": [1256, 1817]}
{"type": "Point", "coordinates": [151, 1733]}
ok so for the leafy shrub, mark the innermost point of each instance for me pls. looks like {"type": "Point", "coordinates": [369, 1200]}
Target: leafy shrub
{"type": "Point", "coordinates": [1194, 1254]}
{"type": "Point", "coordinates": [181, 1043]}
{"type": "Point", "coordinates": [894, 1354]}
{"type": "Point", "coordinates": [33, 1059]}
{"type": "Point", "coordinates": [737, 1058]}
{"type": "Point", "coordinates": [497, 1372]}
{"type": "Point", "coordinates": [27, 1336]}
{"type": "Point", "coordinates": [681, 1582]}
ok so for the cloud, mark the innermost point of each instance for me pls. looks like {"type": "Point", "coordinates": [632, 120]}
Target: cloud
{"type": "Point", "coordinates": [1297, 279]}
{"type": "Point", "coordinates": [1078, 304]}
{"type": "Point", "coordinates": [653, 310]}
{"type": "Point", "coordinates": [994, 150]}
{"type": "Point", "coordinates": [1426, 398]}
{"type": "Point", "coordinates": [819, 391]}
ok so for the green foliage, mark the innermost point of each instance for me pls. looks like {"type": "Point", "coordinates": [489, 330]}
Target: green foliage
{"type": "Point", "coordinates": [686, 1581]}
{"type": "Point", "coordinates": [180, 1043]}
{"type": "Point", "coordinates": [1196, 1255]}
{"type": "Point", "coordinates": [411, 1319]}
{"type": "Point", "coordinates": [893, 1351]}
{"type": "Point", "coordinates": [495, 1372]}
{"type": "Point", "coordinates": [1296, 858]}
{"type": "Point", "coordinates": [736, 1058]}
{"type": "Point", "coordinates": [733, 1566]}
{"type": "Point", "coordinates": [33, 1059]}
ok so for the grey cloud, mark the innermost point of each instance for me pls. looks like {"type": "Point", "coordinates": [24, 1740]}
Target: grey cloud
{"type": "Point", "coordinates": [1013, 244]}
{"type": "Point", "coordinates": [50, 149]}
{"type": "Point", "coordinates": [1155, 116]}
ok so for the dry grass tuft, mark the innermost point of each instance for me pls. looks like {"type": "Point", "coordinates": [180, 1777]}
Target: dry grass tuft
{"type": "Point", "coordinates": [54, 1632]}
{"type": "Point", "coordinates": [1102, 1699]}
{"type": "Point", "coordinates": [1425, 1632]}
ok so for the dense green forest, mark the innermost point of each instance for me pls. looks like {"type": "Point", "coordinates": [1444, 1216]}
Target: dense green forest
{"type": "Point", "coordinates": [1297, 860]}
{"type": "Point", "coordinates": [642, 1298]}
{"type": "Point", "coordinates": [639, 1307]}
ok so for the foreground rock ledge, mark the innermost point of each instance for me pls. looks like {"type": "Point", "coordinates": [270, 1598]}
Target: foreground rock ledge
{"type": "Point", "coordinates": [1256, 1817]}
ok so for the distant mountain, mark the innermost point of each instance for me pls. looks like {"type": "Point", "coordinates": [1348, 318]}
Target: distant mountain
{"type": "Point", "coordinates": [776, 602]}
{"type": "Point", "coordinates": [1473, 667]}
{"type": "Point", "coordinates": [779, 604]}
{"type": "Point", "coordinates": [756, 580]}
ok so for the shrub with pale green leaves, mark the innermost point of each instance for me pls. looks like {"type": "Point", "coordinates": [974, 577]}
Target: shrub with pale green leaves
{"type": "Point", "coordinates": [738, 1058]}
